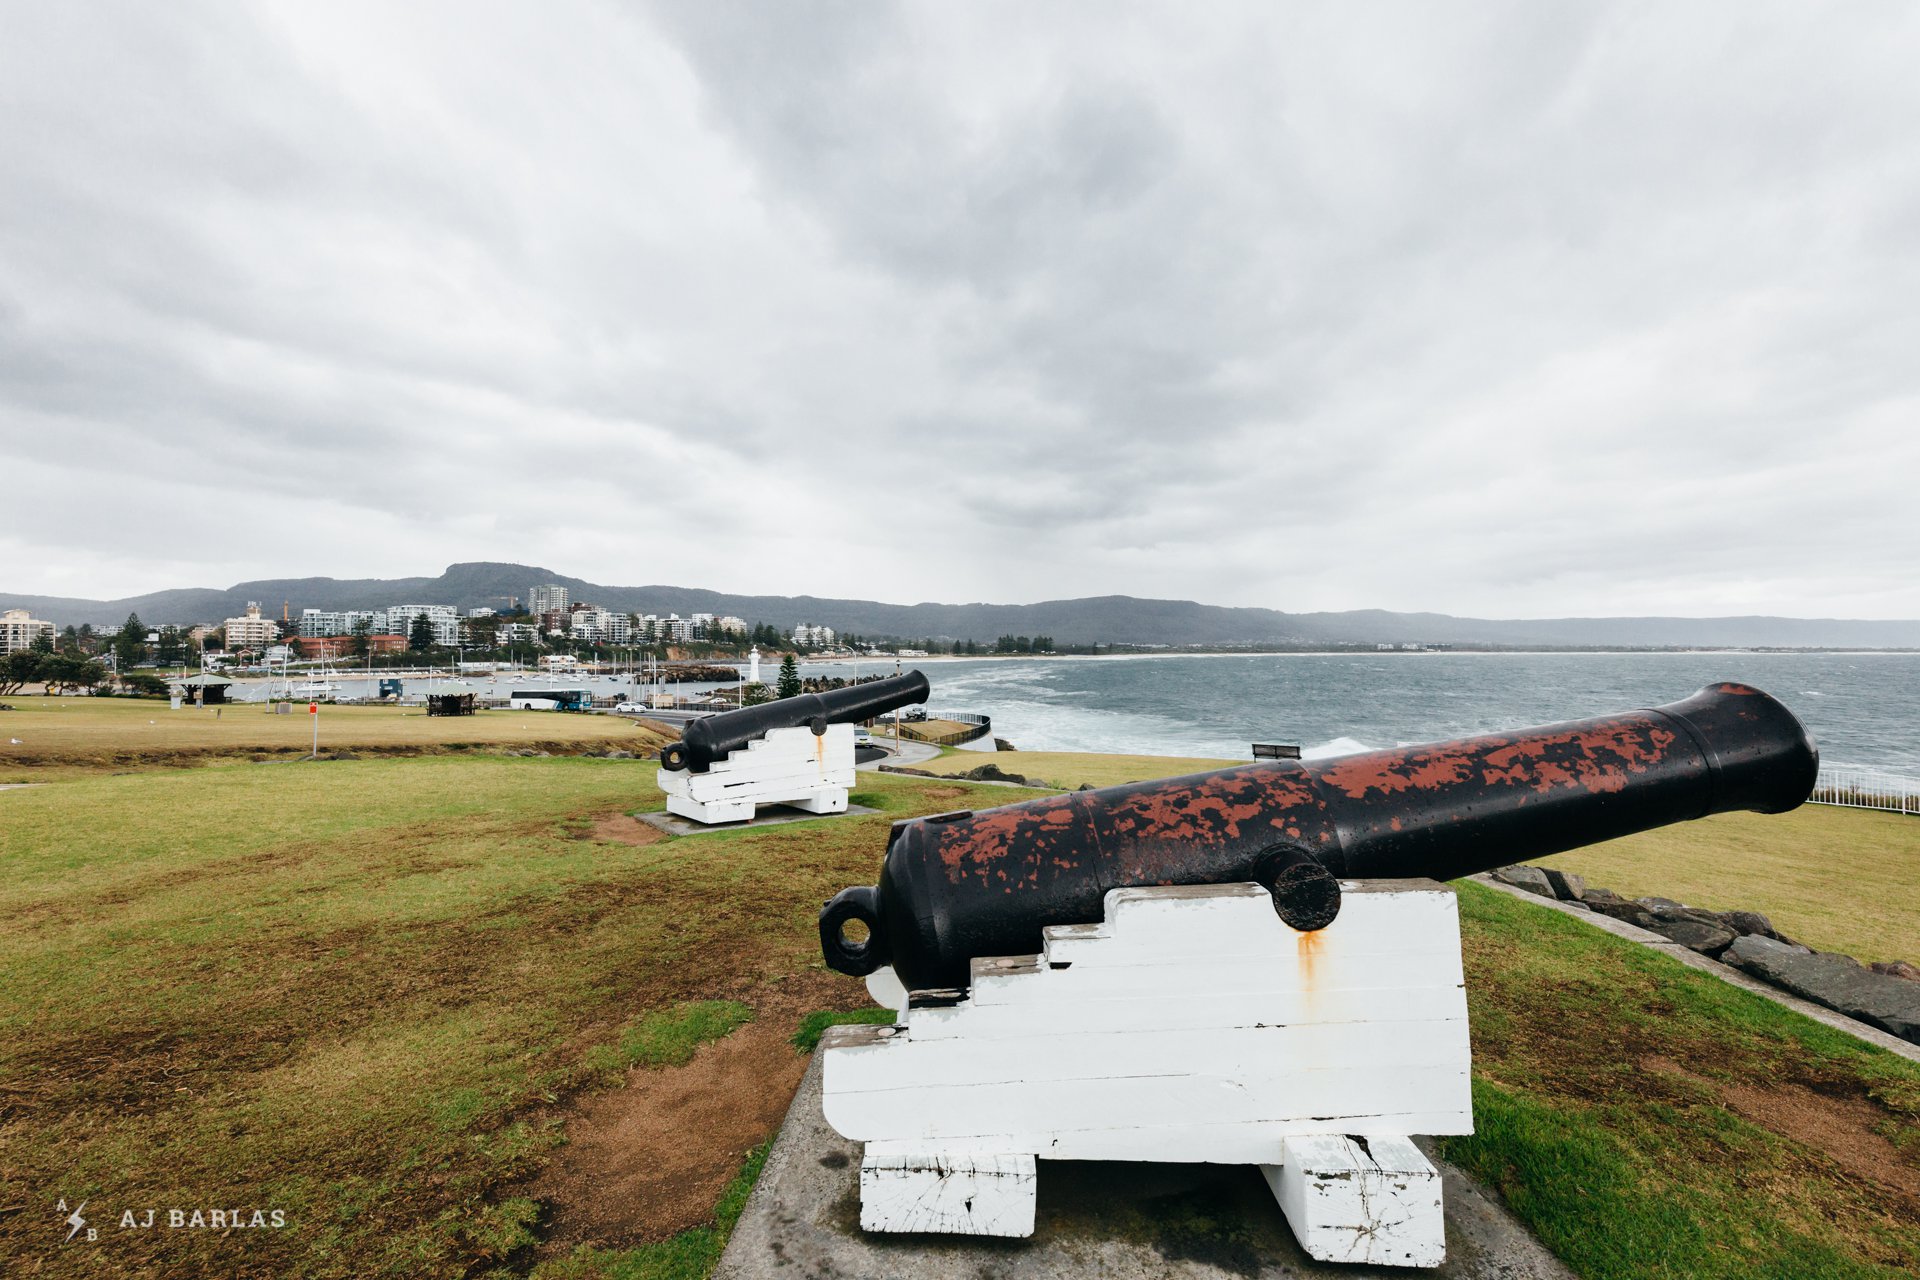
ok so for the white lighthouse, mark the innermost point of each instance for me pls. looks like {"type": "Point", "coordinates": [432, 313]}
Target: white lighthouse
{"type": "Point", "coordinates": [753, 665]}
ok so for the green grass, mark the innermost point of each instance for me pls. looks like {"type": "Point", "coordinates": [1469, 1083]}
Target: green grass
{"type": "Point", "coordinates": [1068, 770]}
{"type": "Point", "coordinates": [1811, 871]}
{"type": "Point", "coordinates": [668, 1037]}
{"type": "Point", "coordinates": [351, 991]}
{"type": "Point", "coordinates": [1635, 1113]}
{"type": "Point", "coordinates": [815, 1025]}
{"type": "Point", "coordinates": [347, 990]}
{"type": "Point", "coordinates": [63, 737]}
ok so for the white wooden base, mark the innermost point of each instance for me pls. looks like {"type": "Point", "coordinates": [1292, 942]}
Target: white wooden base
{"type": "Point", "coordinates": [973, 1195]}
{"type": "Point", "coordinates": [1191, 1025]}
{"type": "Point", "coordinates": [787, 766]}
{"type": "Point", "coordinates": [1373, 1200]}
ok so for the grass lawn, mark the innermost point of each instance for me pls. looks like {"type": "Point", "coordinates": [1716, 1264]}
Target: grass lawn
{"type": "Point", "coordinates": [342, 988]}
{"type": "Point", "coordinates": [1067, 770]}
{"type": "Point", "coordinates": [1837, 879]}
{"type": "Point", "coordinates": [1653, 1122]}
{"type": "Point", "coordinates": [63, 735]}
{"type": "Point", "coordinates": [362, 992]}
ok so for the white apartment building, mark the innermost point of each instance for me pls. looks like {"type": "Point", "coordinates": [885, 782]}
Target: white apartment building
{"type": "Point", "coordinates": [547, 597]}
{"type": "Point", "coordinates": [814, 637]}
{"type": "Point", "coordinates": [251, 631]}
{"type": "Point", "coordinates": [341, 622]}
{"type": "Point", "coordinates": [728, 623]}
{"type": "Point", "coordinates": [18, 630]}
{"type": "Point", "coordinates": [443, 618]}
{"type": "Point", "coordinates": [601, 626]}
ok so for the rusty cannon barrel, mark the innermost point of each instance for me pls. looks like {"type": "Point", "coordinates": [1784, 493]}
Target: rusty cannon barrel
{"type": "Point", "coordinates": [715, 737]}
{"type": "Point", "coordinates": [960, 885]}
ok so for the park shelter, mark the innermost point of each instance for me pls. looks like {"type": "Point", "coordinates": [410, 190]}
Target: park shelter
{"type": "Point", "coordinates": [451, 699]}
{"type": "Point", "coordinates": [205, 688]}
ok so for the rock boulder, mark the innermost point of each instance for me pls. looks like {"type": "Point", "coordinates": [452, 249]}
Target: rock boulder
{"type": "Point", "coordinates": [1838, 982]}
{"type": "Point", "coordinates": [1708, 937]}
{"type": "Point", "coordinates": [1567, 886]}
{"type": "Point", "coordinates": [1521, 876]}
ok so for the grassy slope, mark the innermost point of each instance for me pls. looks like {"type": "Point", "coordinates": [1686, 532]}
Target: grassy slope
{"type": "Point", "coordinates": [1839, 879]}
{"type": "Point", "coordinates": [1068, 769]}
{"type": "Point", "coordinates": [1651, 1122]}
{"type": "Point", "coordinates": [345, 990]}
{"type": "Point", "coordinates": [332, 988]}
{"type": "Point", "coordinates": [60, 736]}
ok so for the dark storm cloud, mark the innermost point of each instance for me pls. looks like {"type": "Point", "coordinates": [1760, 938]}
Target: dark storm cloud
{"type": "Point", "coordinates": [1511, 309]}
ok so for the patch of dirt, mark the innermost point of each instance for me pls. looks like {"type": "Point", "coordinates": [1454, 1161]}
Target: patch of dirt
{"type": "Point", "coordinates": [624, 828]}
{"type": "Point", "coordinates": [649, 1160]}
{"type": "Point", "coordinates": [943, 793]}
{"type": "Point", "coordinates": [1843, 1129]}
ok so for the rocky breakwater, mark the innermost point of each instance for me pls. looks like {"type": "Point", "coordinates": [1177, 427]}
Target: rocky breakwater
{"type": "Point", "coordinates": [1884, 994]}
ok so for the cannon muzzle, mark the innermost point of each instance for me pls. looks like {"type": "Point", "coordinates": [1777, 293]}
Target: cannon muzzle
{"type": "Point", "coordinates": [714, 738]}
{"type": "Point", "coordinates": [960, 885]}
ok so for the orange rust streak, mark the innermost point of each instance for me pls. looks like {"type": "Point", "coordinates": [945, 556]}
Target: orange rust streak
{"type": "Point", "coordinates": [1307, 946]}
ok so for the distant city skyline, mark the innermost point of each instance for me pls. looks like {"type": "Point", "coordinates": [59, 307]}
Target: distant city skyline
{"type": "Point", "coordinates": [1510, 312]}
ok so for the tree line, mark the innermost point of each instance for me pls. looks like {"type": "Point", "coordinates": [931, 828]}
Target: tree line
{"type": "Point", "coordinates": [61, 672]}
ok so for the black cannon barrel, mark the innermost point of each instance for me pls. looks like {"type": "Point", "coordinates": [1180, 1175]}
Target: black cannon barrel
{"type": "Point", "coordinates": [711, 739]}
{"type": "Point", "coordinates": [960, 885]}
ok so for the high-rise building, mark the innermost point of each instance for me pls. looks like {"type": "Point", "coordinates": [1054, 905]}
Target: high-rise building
{"type": "Point", "coordinates": [600, 626]}
{"type": "Point", "coordinates": [251, 631]}
{"type": "Point", "coordinates": [547, 597]}
{"type": "Point", "coordinates": [18, 630]}
{"type": "Point", "coordinates": [443, 618]}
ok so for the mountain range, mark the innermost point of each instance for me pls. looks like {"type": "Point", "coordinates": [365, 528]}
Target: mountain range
{"type": "Point", "coordinates": [1103, 619]}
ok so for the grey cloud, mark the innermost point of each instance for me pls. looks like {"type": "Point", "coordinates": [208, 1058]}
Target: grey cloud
{"type": "Point", "coordinates": [1518, 311]}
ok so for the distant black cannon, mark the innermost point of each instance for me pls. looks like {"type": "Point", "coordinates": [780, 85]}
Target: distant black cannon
{"type": "Point", "coordinates": [961, 885]}
{"type": "Point", "coordinates": [714, 738]}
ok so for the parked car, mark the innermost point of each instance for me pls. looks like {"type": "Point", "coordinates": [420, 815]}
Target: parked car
{"type": "Point", "coordinates": [629, 708]}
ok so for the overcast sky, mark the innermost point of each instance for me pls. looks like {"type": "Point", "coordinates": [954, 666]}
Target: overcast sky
{"type": "Point", "coordinates": [1509, 310]}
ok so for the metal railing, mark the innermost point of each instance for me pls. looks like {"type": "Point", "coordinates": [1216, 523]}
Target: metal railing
{"type": "Point", "coordinates": [1867, 789]}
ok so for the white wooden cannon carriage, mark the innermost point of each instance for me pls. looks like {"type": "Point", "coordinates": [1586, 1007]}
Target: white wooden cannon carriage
{"type": "Point", "coordinates": [1191, 1025]}
{"type": "Point", "coordinates": [791, 766]}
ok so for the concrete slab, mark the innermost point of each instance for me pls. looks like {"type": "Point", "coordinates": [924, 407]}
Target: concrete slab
{"type": "Point", "coordinates": [769, 816]}
{"type": "Point", "coordinates": [905, 752]}
{"type": "Point", "coordinates": [1114, 1220]}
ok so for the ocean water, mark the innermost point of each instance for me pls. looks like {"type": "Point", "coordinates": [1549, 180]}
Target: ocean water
{"type": "Point", "coordinates": [1863, 709]}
